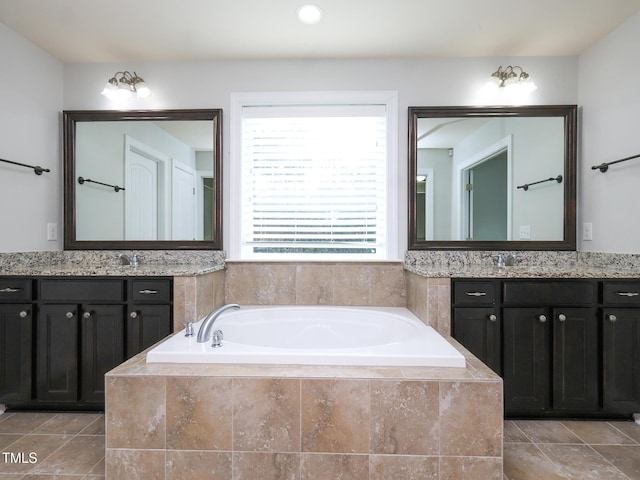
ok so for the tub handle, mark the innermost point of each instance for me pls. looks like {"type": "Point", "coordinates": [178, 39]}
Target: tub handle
{"type": "Point", "coordinates": [217, 339]}
{"type": "Point", "coordinates": [188, 329]}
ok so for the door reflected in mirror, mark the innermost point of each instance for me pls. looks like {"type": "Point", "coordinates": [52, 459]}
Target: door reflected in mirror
{"type": "Point", "coordinates": [142, 179]}
{"type": "Point", "coordinates": [494, 178]}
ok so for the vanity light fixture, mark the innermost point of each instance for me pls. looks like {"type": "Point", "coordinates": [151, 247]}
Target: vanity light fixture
{"type": "Point", "coordinates": [512, 77]}
{"type": "Point", "coordinates": [124, 84]}
{"type": "Point", "coordinates": [309, 14]}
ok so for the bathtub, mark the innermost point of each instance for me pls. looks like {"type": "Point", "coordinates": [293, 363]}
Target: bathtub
{"type": "Point", "coordinates": [315, 335]}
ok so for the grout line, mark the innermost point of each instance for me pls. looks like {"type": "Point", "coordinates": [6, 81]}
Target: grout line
{"type": "Point", "coordinates": [635, 442]}
{"type": "Point", "coordinates": [606, 459]}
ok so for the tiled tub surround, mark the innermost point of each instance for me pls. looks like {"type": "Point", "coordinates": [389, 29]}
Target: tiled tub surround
{"type": "Point", "coordinates": [278, 283]}
{"type": "Point", "coordinates": [170, 421]}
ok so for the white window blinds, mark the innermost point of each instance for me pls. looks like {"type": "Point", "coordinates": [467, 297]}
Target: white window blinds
{"type": "Point", "coordinates": [314, 181]}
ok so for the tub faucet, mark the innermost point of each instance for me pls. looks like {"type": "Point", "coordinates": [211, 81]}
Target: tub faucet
{"type": "Point", "coordinates": [204, 333]}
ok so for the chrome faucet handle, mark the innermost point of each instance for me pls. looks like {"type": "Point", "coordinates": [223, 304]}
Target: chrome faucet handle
{"type": "Point", "coordinates": [189, 330]}
{"type": "Point", "coordinates": [217, 338]}
{"type": "Point", "coordinates": [498, 260]}
{"type": "Point", "coordinates": [129, 259]}
{"type": "Point", "coordinates": [511, 259]}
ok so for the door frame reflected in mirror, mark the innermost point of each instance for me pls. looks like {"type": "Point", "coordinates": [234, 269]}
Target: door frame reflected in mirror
{"type": "Point", "coordinates": [567, 112]}
{"type": "Point", "coordinates": [70, 119]}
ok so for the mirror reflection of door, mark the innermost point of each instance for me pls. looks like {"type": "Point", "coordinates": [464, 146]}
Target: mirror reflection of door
{"type": "Point", "coordinates": [141, 197]}
{"type": "Point", "coordinates": [145, 180]}
{"type": "Point", "coordinates": [486, 212]}
{"type": "Point", "coordinates": [183, 181]}
{"type": "Point", "coordinates": [207, 207]}
{"type": "Point", "coordinates": [425, 203]}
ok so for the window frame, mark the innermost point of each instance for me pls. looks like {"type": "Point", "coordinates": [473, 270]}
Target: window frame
{"type": "Point", "coordinates": [283, 99]}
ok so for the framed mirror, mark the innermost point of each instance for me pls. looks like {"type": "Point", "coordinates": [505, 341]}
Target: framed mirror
{"type": "Point", "coordinates": [492, 178]}
{"type": "Point", "coordinates": [143, 179]}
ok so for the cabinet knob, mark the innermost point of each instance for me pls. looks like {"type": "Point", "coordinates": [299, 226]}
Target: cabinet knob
{"type": "Point", "coordinates": [542, 318]}
{"type": "Point", "coordinates": [612, 318]}
{"type": "Point", "coordinates": [86, 315]}
{"type": "Point", "coordinates": [23, 314]}
{"type": "Point", "coordinates": [69, 314]}
{"type": "Point", "coordinates": [493, 317]}
{"type": "Point", "coordinates": [562, 317]}
{"type": "Point", "coordinates": [133, 314]}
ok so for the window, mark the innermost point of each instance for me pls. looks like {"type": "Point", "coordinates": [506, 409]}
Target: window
{"type": "Point", "coordinates": [311, 176]}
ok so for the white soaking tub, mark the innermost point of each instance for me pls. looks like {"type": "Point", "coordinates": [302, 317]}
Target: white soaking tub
{"type": "Point", "coordinates": [315, 335]}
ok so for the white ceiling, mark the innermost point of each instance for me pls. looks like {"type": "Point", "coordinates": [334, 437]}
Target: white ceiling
{"type": "Point", "coordinates": [165, 30]}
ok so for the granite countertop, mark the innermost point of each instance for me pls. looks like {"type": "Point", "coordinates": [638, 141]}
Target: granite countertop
{"type": "Point", "coordinates": [105, 263]}
{"type": "Point", "coordinates": [71, 270]}
{"type": "Point", "coordinates": [529, 264]}
{"type": "Point", "coordinates": [522, 271]}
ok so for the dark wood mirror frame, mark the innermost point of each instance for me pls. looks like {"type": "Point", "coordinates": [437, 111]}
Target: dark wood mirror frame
{"type": "Point", "coordinates": [72, 117]}
{"type": "Point", "coordinates": [568, 112]}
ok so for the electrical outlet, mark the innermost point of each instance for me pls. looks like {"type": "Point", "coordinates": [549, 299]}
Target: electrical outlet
{"type": "Point", "coordinates": [525, 232]}
{"type": "Point", "coordinates": [52, 232]}
{"type": "Point", "coordinates": [587, 231]}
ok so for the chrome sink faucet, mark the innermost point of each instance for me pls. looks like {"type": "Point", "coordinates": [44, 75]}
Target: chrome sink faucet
{"type": "Point", "coordinates": [129, 259]}
{"type": "Point", "coordinates": [507, 260]}
{"type": "Point", "coordinates": [204, 334]}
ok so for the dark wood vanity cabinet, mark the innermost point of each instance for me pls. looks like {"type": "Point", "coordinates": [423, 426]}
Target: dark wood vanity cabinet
{"type": "Point", "coordinates": [149, 316]}
{"type": "Point", "coordinates": [550, 346]}
{"type": "Point", "coordinates": [16, 327]}
{"type": "Point", "coordinates": [565, 347]}
{"type": "Point", "coordinates": [79, 338]}
{"type": "Point", "coordinates": [550, 360]}
{"type": "Point", "coordinates": [83, 328]}
{"type": "Point", "coordinates": [621, 346]}
{"type": "Point", "coordinates": [477, 322]}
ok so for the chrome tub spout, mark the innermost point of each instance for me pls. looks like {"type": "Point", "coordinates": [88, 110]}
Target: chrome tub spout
{"type": "Point", "coordinates": [204, 334]}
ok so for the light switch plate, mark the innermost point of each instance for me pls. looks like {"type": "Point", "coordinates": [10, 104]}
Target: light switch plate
{"type": "Point", "coordinates": [52, 232]}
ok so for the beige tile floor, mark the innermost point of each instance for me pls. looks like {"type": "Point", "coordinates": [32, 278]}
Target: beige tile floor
{"type": "Point", "coordinates": [51, 446]}
{"type": "Point", "coordinates": [70, 446]}
{"type": "Point", "coordinates": [575, 450]}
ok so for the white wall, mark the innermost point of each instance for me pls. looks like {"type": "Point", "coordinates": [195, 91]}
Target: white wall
{"type": "Point", "coordinates": [38, 87]}
{"type": "Point", "coordinates": [609, 92]}
{"type": "Point", "coordinates": [450, 81]}
{"type": "Point", "coordinates": [30, 131]}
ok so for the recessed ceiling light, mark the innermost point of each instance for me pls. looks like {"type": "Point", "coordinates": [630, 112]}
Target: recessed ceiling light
{"type": "Point", "coordinates": [309, 14]}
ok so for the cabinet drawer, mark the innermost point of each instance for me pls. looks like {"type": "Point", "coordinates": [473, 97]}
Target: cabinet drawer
{"type": "Point", "coordinates": [152, 291]}
{"type": "Point", "coordinates": [474, 292]}
{"type": "Point", "coordinates": [625, 293]}
{"type": "Point", "coordinates": [15, 289]}
{"type": "Point", "coordinates": [82, 290]}
{"type": "Point", "coordinates": [550, 293]}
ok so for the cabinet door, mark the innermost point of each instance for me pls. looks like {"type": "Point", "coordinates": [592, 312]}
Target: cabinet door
{"type": "Point", "coordinates": [526, 365]}
{"type": "Point", "coordinates": [15, 352]}
{"type": "Point", "coordinates": [575, 359]}
{"type": "Point", "coordinates": [146, 325]}
{"type": "Point", "coordinates": [102, 330]}
{"type": "Point", "coordinates": [621, 360]}
{"type": "Point", "coordinates": [478, 329]}
{"type": "Point", "coordinates": [57, 353]}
